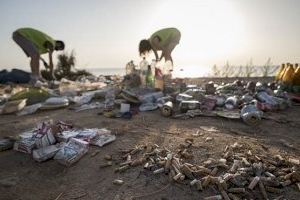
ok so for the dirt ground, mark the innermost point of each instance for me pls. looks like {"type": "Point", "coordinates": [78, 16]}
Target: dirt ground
{"type": "Point", "coordinates": [29, 180]}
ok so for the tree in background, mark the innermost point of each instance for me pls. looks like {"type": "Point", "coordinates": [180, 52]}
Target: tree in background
{"type": "Point", "coordinates": [268, 69]}
{"type": "Point", "coordinates": [65, 68]}
{"type": "Point", "coordinates": [239, 71]}
{"type": "Point", "coordinates": [249, 68]}
{"type": "Point", "coordinates": [227, 70]}
{"type": "Point", "coordinates": [215, 71]}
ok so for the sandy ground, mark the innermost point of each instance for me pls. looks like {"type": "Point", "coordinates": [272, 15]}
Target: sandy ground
{"type": "Point", "coordinates": [29, 180]}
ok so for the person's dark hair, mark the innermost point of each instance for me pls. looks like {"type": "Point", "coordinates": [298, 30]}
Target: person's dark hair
{"type": "Point", "coordinates": [144, 46]}
{"type": "Point", "coordinates": [48, 45]}
{"type": "Point", "coordinates": [59, 45]}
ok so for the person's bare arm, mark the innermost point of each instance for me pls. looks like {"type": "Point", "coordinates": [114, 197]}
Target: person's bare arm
{"type": "Point", "coordinates": [162, 55]}
{"type": "Point", "coordinates": [156, 55]}
{"type": "Point", "coordinates": [51, 64]}
{"type": "Point", "coordinates": [155, 42]}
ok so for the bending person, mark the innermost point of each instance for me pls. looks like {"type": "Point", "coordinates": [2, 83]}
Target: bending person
{"type": "Point", "coordinates": [163, 40]}
{"type": "Point", "coordinates": [35, 43]}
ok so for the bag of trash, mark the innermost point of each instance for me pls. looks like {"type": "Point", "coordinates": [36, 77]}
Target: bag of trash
{"type": "Point", "coordinates": [25, 145]}
{"type": "Point", "coordinates": [44, 136]}
{"type": "Point", "coordinates": [54, 103]}
{"type": "Point", "coordinates": [72, 151]}
{"type": "Point", "coordinates": [102, 137]}
{"type": "Point", "coordinates": [148, 107]}
{"type": "Point", "coordinates": [13, 106]}
{"type": "Point", "coordinates": [29, 109]}
{"type": "Point", "coordinates": [151, 97]}
{"type": "Point", "coordinates": [44, 153]}
{"type": "Point", "coordinates": [33, 95]}
{"type": "Point", "coordinates": [65, 136]}
{"type": "Point", "coordinates": [84, 99]}
{"type": "Point", "coordinates": [6, 144]}
{"type": "Point", "coordinates": [87, 134]}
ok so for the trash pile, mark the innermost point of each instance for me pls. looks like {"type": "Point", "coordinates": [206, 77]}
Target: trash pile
{"type": "Point", "coordinates": [234, 100]}
{"type": "Point", "coordinates": [28, 100]}
{"type": "Point", "coordinates": [60, 141]}
{"type": "Point", "coordinates": [238, 174]}
{"type": "Point", "coordinates": [147, 88]}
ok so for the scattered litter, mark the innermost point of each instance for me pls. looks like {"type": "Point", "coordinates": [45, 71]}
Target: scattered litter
{"type": "Point", "coordinates": [44, 153]}
{"type": "Point", "coordinates": [118, 182]}
{"type": "Point", "coordinates": [6, 144]}
{"type": "Point", "coordinates": [13, 106]}
{"type": "Point", "coordinates": [71, 152]}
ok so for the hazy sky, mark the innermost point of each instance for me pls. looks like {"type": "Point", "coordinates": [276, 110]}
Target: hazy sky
{"type": "Point", "coordinates": [106, 33]}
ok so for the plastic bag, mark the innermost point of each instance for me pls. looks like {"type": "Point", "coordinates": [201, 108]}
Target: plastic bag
{"type": "Point", "coordinates": [25, 145]}
{"type": "Point", "coordinates": [29, 109]}
{"type": "Point", "coordinates": [72, 151]}
{"type": "Point", "coordinates": [65, 136]}
{"type": "Point", "coordinates": [87, 134]}
{"type": "Point", "coordinates": [44, 136]}
{"type": "Point", "coordinates": [148, 107]}
{"type": "Point", "coordinates": [44, 153]}
{"type": "Point", "coordinates": [103, 137]}
{"type": "Point", "coordinates": [151, 97]}
{"type": "Point", "coordinates": [6, 144]}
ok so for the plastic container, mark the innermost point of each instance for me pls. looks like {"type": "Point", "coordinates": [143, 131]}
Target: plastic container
{"type": "Point", "coordinates": [296, 78]}
{"type": "Point", "coordinates": [124, 107]}
{"type": "Point", "coordinates": [288, 75]}
{"type": "Point", "coordinates": [231, 102]}
{"type": "Point", "coordinates": [279, 72]}
{"type": "Point", "coordinates": [184, 106]}
{"type": "Point", "coordinates": [167, 109]}
{"type": "Point", "coordinates": [251, 115]}
{"type": "Point", "coordinates": [143, 70]}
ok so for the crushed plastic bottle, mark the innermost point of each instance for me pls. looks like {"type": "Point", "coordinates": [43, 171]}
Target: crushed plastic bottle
{"type": "Point", "coordinates": [231, 102]}
{"type": "Point", "coordinates": [251, 115]}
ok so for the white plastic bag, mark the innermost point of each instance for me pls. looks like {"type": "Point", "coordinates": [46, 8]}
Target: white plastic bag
{"type": "Point", "coordinates": [71, 152]}
{"type": "Point", "coordinates": [103, 137]}
{"type": "Point", "coordinates": [44, 153]}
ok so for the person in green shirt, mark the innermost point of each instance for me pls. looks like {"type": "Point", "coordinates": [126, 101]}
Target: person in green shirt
{"type": "Point", "coordinates": [163, 40]}
{"type": "Point", "coordinates": [34, 43]}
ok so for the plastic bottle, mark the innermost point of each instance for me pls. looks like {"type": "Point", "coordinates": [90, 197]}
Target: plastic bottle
{"type": "Point", "coordinates": [149, 77]}
{"type": "Point", "coordinates": [231, 102]}
{"type": "Point", "coordinates": [153, 66]}
{"type": "Point", "coordinates": [251, 115]}
{"type": "Point", "coordinates": [283, 72]}
{"type": "Point", "coordinates": [288, 75]}
{"type": "Point", "coordinates": [280, 70]}
{"type": "Point", "coordinates": [143, 70]}
{"type": "Point", "coordinates": [296, 78]}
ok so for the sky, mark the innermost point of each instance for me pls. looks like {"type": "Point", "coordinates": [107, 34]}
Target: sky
{"type": "Point", "coordinates": [106, 33]}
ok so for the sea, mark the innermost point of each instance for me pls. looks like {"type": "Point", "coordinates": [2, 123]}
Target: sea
{"type": "Point", "coordinates": [105, 71]}
{"type": "Point", "coordinates": [178, 72]}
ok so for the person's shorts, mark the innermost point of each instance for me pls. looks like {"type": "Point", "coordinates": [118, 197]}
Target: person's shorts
{"type": "Point", "coordinates": [27, 46]}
